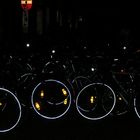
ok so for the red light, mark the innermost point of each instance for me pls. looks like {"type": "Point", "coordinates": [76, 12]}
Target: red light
{"type": "Point", "coordinates": [26, 4]}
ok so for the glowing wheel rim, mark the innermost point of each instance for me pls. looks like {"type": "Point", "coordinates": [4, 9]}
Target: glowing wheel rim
{"type": "Point", "coordinates": [79, 109]}
{"type": "Point", "coordinates": [49, 102]}
{"type": "Point", "coordinates": [5, 107]}
{"type": "Point", "coordinates": [135, 108]}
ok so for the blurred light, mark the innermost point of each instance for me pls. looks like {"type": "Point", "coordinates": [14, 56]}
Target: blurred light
{"type": "Point", "coordinates": [124, 48]}
{"type": "Point", "coordinates": [0, 103]}
{"type": "Point", "coordinates": [116, 59]}
{"type": "Point", "coordinates": [92, 69]}
{"type": "Point", "coordinates": [53, 51]}
{"type": "Point", "coordinates": [122, 70]}
{"type": "Point", "coordinates": [64, 66]}
{"type": "Point", "coordinates": [37, 106]}
{"type": "Point", "coordinates": [42, 94]}
{"type": "Point", "coordinates": [108, 44]}
{"type": "Point", "coordinates": [80, 18]}
{"type": "Point", "coordinates": [65, 101]}
{"type": "Point", "coordinates": [27, 45]}
{"type": "Point", "coordinates": [120, 99]}
{"type": "Point", "coordinates": [138, 51]}
{"type": "Point", "coordinates": [85, 47]}
{"type": "Point", "coordinates": [64, 92]}
{"type": "Point", "coordinates": [92, 99]}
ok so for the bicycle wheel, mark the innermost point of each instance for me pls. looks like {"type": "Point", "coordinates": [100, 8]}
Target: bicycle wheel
{"type": "Point", "coordinates": [10, 110]}
{"type": "Point", "coordinates": [123, 87]}
{"type": "Point", "coordinates": [51, 99]}
{"type": "Point", "coordinates": [95, 101]}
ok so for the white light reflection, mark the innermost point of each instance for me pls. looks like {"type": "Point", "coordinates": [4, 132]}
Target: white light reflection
{"type": "Point", "coordinates": [27, 45]}
{"type": "Point", "coordinates": [53, 51]}
{"type": "Point", "coordinates": [116, 59]}
{"type": "Point", "coordinates": [92, 69]}
{"type": "Point", "coordinates": [124, 48]}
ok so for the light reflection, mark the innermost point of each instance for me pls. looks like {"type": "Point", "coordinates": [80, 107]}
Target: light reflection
{"type": "Point", "coordinates": [120, 99]}
{"type": "Point", "coordinates": [42, 94]}
{"type": "Point", "coordinates": [64, 92]}
{"type": "Point", "coordinates": [92, 69]}
{"type": "Point", "coordinates": [116, 59]}
{"type": "Point", "coordinates": [124, 48]}
{"type": "Point", "coordinates": [27, 45]}
{"type": "Point", "coordinates": [92, 99]}
{"type": "Point", "coordinates": [37, 106]}
{"type": "Point", "coordinates": [53, 51]}
{"type": "Point", "coordinates": [65, 102]}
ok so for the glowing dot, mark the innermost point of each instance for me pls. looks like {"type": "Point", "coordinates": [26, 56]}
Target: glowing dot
{"type": "Point", "coordinates": [53, 51]}
{"type": "Point", "coordinates": [42, 94]}
{"type": "Point", "coordinates": [120, 98]}
{"type": "Point", "coordinates": [65, 102]}
{"type": "Point", "coordinates": [124, 48]}
{"type": "Point", "coordinates": [92, 69]}
{"type": "Point", "coordinates": [27, 45]}
{"type": "Point", "coordinates": [64, 92]}
{"type": "Point", "coordinates": [92, 99]}
{"type": "Point", "coordinates": [0, 103]}
{"type": "Point", "coordinates": [37, 106]}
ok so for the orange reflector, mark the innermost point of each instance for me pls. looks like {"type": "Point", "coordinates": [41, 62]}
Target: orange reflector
{"type": "Point", "coordinates": [64, 92]}
{"type": "Point", "coordinates": [65, 102]}
{"type": "Point", "coordinates": [37, 106]}
{"type": "Point", "coordinates": [92, 99]}
{"type": "Point", "coordinates": [42, 94]}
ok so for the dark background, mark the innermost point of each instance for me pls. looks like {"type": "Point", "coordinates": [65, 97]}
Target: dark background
{"type": "Point", "coordinates": [94, 25]}
{"type": "Point", "coordinates": [99, 22]}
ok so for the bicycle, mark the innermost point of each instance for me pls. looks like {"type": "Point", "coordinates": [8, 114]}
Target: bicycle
{"type": "Point", "coordinates": [94, 99]}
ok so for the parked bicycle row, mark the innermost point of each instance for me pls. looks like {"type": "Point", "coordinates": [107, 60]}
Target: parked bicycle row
{"type": "Point", "coordinates": [97, 86]}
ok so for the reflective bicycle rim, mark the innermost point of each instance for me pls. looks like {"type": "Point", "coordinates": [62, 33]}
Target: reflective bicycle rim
{"type": "Point", "coordinates": [51, 99]}
{"type": "Point", "coordinates": [95, 101]}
